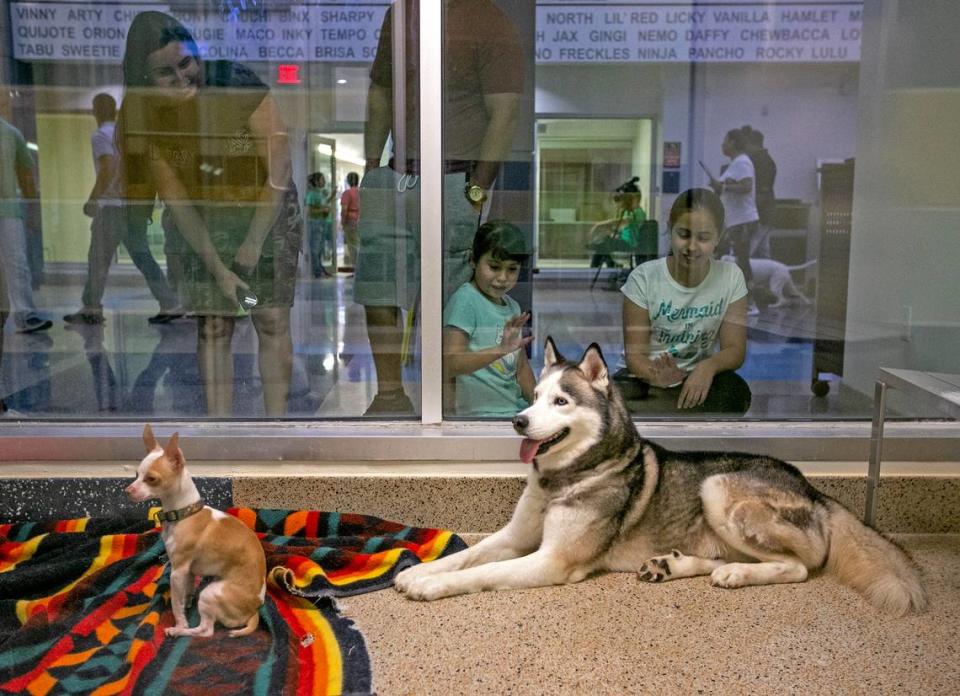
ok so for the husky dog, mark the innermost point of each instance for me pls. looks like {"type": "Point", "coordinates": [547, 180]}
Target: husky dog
{"type": "Point", "coordinates": [775, 276]}
{"type": "Point", "coordinates": [599, 498]}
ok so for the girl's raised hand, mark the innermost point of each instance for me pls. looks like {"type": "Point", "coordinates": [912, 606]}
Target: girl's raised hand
{"type": "Point", "coordinates": [513, 338]}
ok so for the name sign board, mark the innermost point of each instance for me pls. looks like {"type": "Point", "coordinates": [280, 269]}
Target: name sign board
{"type": "Point", "coordinates": [639, 32]}
{"type": "Point", "coordinates": [66, 31]}
{"type": "Point", "coordinates": [697, 33]}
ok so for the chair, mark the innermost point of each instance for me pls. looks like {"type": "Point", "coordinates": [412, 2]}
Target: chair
{"type": "Point", "coordinates": [616, 253]}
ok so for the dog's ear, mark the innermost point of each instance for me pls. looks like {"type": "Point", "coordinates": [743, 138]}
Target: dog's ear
{"type": "Point", "coordinates": [149, 441]}
{"type": "Point", "coordinates": [551, 356]}
{"type": "Point", "coordinates": [594, 367]}
{"type": "Point", "coordinates": [173, 453]}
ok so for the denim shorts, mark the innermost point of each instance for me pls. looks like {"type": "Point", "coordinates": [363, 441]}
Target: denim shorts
{"type": "Point", "coordinates": [387, 271]}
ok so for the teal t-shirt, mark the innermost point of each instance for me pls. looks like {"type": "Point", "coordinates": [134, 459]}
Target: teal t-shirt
{"type": "Point", "coordinates": [316, 199]}
{"type": "Point", "coordinates": [632, 225]}
{"type": "Point", "coordinates": [492, 390]}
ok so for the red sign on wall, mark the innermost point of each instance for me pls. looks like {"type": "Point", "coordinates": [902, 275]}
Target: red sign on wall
{"type": "Point", "coordinates": [288, 74]}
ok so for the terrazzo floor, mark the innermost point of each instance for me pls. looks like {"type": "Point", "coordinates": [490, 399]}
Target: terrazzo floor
{"type": "Point", "coordinates": [128, 368]}
{"type": "Point", "coordinates": [615, 635]}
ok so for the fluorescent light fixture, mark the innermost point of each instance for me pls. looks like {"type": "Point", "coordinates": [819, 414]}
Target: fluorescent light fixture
{"type": "Point", "coordinates": [34, 147]}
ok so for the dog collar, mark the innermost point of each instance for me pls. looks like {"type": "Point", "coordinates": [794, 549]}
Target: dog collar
{"type": "Point", "coordinates": [162, 516]}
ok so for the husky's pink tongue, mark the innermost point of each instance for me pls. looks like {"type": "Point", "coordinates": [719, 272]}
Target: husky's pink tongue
{"type": "Point", "coordinates": [528, 450]}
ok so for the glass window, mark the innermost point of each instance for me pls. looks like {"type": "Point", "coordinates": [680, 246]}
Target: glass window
{"type": "Point", "coordinates": [712, 184]}
{"type": "Point", "coordinates": [212, 208]}
{"type": "Point", "coordinates": [185, 239]}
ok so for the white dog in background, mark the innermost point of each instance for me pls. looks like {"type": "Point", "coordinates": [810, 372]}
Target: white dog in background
{"type": "Point", "coordinates": [775, 276]}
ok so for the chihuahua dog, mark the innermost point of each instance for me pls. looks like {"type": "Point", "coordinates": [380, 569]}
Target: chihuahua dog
{"type": "Point", "coordinates": [201, 541]}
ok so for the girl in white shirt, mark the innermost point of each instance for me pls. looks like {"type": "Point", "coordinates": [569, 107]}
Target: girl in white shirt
{"type": "Point", "coordinates": [737, 191]}
{"type": "Point", "coordinates": [680, 306]}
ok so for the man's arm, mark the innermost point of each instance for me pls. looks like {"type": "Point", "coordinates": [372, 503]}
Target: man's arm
{"type": "Point", "coordinates": [503, 110]}
{"type": "Point", "coordinates": [24, 165]}
{"type": "Point", "coordinates": [28, 185]}
{"type": "Point", "coordinates": [737, 185]}
{"type": "Point", "coordinates": [105, 164]}
{"type": "Point", "coordinates": [273, 147]}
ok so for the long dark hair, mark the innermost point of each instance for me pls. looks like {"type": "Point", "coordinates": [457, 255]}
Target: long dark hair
{"type": "Point", "coordinates": [149, 32]}
{"type": "Point", "coordinates": [139, 113]}
{"type": "Point", "coordinates": [698, 199]}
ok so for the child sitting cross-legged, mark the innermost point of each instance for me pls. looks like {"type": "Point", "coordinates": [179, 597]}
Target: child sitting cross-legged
{"type": "Point", "coordinates": [483, 341]}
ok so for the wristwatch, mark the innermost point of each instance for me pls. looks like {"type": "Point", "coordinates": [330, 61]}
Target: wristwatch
{"type": "Point", "coordinates": [475, 194]}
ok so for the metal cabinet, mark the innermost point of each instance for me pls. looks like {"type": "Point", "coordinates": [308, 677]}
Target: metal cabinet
{"type": "Point", "coordinates": [836, 211]}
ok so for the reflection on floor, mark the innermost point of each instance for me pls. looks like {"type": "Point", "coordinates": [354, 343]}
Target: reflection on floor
{"type": "Point", "coordinates": [127, 367]}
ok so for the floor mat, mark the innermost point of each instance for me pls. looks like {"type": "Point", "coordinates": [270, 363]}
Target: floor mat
{"type": "Point", "coordinates": [83, 605]}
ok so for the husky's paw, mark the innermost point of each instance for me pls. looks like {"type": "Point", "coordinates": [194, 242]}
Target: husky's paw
{"type": "Point", "coordinates": [729, 576]}
{"type": "Point", "coordinates": [405, 577]}
{"type": "Point", "coordinates": [658, 568]}
{"type": "Point", "coordinates": [427, 588]}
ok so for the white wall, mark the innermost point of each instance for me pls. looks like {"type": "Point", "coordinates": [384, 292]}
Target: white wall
{"type": "Point", "coordinates": [806, 111]}
{"type": "Point", "coordinates": [905, 246]}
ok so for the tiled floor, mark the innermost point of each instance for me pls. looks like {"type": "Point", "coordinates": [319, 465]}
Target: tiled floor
{"type": "Point", "coordinates": [128, 368]}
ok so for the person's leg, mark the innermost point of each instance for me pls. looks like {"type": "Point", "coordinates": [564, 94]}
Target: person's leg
{"type": "Point", "coordinates": [760, 243]}
{"type": "Point", "coordinates": [729, 393]}
{"type": "Point", "coordinates": [173, 249]}
{"type": "Point", "coordinates": [351, 242]}
{"type": "Point", "coordinates": [387, 277]}
{"type": "Point", "coordinates": [275, 356]}
{"type": "Point", "coordinates": [316, 247]}
{"type": "Point", "coordinates": [16, 270]}
{"type": "Point", "coordinates": [137, 245]}
{"type": "Point", "coordinates": [385, 334]}
{"type": "Point", "coordinates": [739, 236]}
{"type": "Point", "coordinates": [654, 401]}
{"type": "Point", "coordinates": [632, 388]}
{"type": "Point", "coordinates": [214, 335]}
{"type": "Point", "coordinates": [106, 230]}
{"type": "Point", "coordinates": [329, 246]}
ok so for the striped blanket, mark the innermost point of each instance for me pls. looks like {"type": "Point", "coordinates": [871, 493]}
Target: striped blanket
{"type": "Point", "coordinates": [83, 605]}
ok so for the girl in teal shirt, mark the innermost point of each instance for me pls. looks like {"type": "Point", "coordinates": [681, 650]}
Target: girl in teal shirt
{"type": "Point", "coordinates": [483, 342]}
